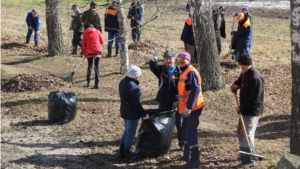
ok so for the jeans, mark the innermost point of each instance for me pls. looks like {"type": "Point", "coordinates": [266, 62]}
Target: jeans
{"type": "Point", "coordinates": [136, 33]}
{"type": "Point", "coordinates": [251, 123]}
{"type": "Point", "coordinates": [96, 67]}
{"type": "Point", "coordinates": [241, 51]}
{"type": "Point", "coordinates": [77, 41]}
{"type": "Point", "coordinates": [114, 36]}
{"type": "Point", "coordinates": [29, 33]}
{"type": "Point", "coordinates": [191, 49]}
{"type": "Point", "coordinates": [129, 133]}
{"type": "Point", "coordinates": [190, 128]}
{"type": "Point", "coordinates": [178, 122]}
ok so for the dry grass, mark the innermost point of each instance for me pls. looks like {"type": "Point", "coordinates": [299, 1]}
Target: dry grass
{"type": "Point", "coordinates": [91, 140]}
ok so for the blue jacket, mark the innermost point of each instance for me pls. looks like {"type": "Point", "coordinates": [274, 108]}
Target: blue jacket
{"type": "Point", "coordinates": [34, 22]}
{"type": "Point", "coordinates": [187, 34]}
{"type": "Point", "coordinates": [137, 11]}
{"type": "Point", "coordinates": [168, 89]}
{"type": "Point", "coordinates": [130, 93]}
{"type": "Point", "coordinates": [111, 20]}
{"type": "Point", "coordinates": [243, 35]}
{"type": "Point", "coordinates": [191, 83]}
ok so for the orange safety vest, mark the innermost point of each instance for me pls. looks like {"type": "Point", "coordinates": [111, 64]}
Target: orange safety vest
{"type": "Point", "coordinates": [183, 94]}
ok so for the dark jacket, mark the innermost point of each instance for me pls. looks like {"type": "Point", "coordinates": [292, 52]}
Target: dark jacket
{"type": "Point", "coordinates": [77, 24]}
{"type": "Point", "coordinates": [187, 34]}
{"type": "Point", "coordinates": [34, 22]}
{"type": "Point", "coordinates": [219, 23]}
{"type": "Point", "coordinates": [243, 35]}
{"type": "Point", "coordinates": [91, 17]}
{"type": "Point", "coordinates": [251, 85]}
{"type": "Point", "coordinates": [167, 90]}
{"type": "Point", "coordinates": [136, 11]}
{"type": "Point", "coordinates": [130, 93]}
{"type": "Point", "coordinates": [191, 83]}
{"type": "Point", "coordinates": [111, 20]}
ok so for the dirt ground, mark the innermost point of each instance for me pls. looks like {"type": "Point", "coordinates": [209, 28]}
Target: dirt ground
{"type": "Point", "coordinates": [91, 140]}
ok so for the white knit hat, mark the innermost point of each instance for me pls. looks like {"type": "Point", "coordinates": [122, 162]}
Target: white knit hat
{"type": "Point", "coordinates": [133, 71]}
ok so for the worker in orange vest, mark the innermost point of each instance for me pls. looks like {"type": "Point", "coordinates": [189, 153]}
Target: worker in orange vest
{"type": "Point", "coordinates": [190, 105]}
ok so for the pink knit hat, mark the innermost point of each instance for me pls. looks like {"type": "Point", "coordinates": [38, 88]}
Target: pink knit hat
{"type": "Point", "coordinates": [184, 54]}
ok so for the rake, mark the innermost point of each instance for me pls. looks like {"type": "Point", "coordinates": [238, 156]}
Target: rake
{"type": "Point", "coordinates": [69, 78]}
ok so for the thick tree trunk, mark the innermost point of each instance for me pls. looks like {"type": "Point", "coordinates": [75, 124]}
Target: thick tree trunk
{"type": "Point", "coordinates": [295, 54]}
{"type": "Point", "coordinates": [54, 31]}
{"type": "Point", "coordinates": [206, 46]}
{"type": "Point", "coordinates": [123, 38]}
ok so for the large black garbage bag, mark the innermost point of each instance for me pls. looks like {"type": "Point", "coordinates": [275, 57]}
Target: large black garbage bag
{"type": "Point", "coordinates": [62, 107]}
{"type": "Point", "coordinates": [155, 135]}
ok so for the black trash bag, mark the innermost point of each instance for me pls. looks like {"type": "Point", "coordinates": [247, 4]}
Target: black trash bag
{"type": "Point", "coordinates": [155, 135]}
{"type": "Point", "coordinates": [62, 107]}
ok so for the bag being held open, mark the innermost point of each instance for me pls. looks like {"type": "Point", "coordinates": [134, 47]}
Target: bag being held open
{"type": "Point", "coordinates": [62, 107]}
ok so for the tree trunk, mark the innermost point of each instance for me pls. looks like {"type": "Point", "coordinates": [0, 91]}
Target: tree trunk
{"type": "Point", "coordinates": [123, 38]}
{"type": "Point", "coordinates": [54, 31]}
{"type": "Point", "coordinates": [295, 55]}
{"type": "Point", "coordinates": [206, 46]}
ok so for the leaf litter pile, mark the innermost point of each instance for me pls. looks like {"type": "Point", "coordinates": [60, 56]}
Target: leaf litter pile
{"type": "Point", "coordinates": [35, 82]}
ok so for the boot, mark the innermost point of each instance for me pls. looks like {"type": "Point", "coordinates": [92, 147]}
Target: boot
{"type": "Point", "coordinates": [186, 153]}
{"type": "Point", "coordinates": [88, 84]}
{"type": "Point", "coordinates": [195, 158]}
{"type": "Point", "coordinates": [121, 155]}
{"type": "Point", "coordinates": [117, 51]}
{"type": "Point", "coordinates": [36, 44]}
{"type": "Point", "coordinates": [108, 51]}
{"type": "Point", "coordinates": [27, 40]}
{"type": "Point", "coordinates": [128, 156]}
{"type": "Point", "coordinates": [88, 78]}
{"type": "Point", "coordinates": [96, 85]}
{"type": "Point", "coordinates": [74, 51]}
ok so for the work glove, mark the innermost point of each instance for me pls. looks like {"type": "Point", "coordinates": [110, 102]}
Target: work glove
{"type": "Point", "coordinates": [132, 18]}
{"type": "Point", "coordinates": [234, 88]}
{"type": "Point", "coordinates": [153, 58]}
{"type": "Point", "coordinates": [38, 32]}
{"type": "Point", "coordinates": [186, 113]}
{"type": "Point", "coordinates": [238, 110]}
{"type": "Point", "coordinates": [146, 117]}
{"type": "Point", "coordinates": [30, 27]}
{"type": "Point", "coordinates": [232, 33]}
{"type": "Point", "coordinates": [234, 14]}
{"type": "Point", "coordinates": [175, 105]}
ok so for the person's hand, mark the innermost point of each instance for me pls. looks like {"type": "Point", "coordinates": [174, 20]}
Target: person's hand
{"type": "Point", "coordinates": [83, 57]}
{"type": "Point", "coordinates": [175, 105]}
{"type": "Point", "coordinates": [234, 88]}
{"type": "Point", "coordinates": [132, 18]}
{"type": "Point", "coordinates": [234, 14]}
{"type": "Point", "coordinates": [186, 113]}
{"type": "Point", "coordinates": [238, 110]}
{"type": "Point", "coordinates": [232, 33]}
{"type": "Point", "coordinates": [38, 32]}
{"type": "Point", "coordinates": [153, 58]}
{"type": "Point", "coordinates": [146, 117]}
{"type": "Point", "coordinates": [30, 27]}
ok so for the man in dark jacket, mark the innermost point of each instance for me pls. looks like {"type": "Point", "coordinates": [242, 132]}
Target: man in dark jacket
{"type": "Point", "coordinates": [219, 26]}
{"type": "Point", "coordinates": [131, 109]}
{"type": "Point", "coordinates": [187, 36]}
{"type": "Point", "coordinates": [77, 27]}
{"type": "Point", "coordinates": [168, 75]}
{"type": "Point", "coordinates": [33, 22]}
{"type": "Point", "coordinates": [243, 36]}
{"type": "Point", "coordinates": [251, 85]}
{"type": "Point", "coordinates": [91, 17]}
{"type": "Point", "coordinates": [136, 14]}
{"type": "Point", "coordinates": [112, 27]}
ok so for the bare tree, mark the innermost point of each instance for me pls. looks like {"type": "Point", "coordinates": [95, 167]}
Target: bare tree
{"type": "Point", "coordinates": [123, 38]}
{"type": "Point", "coordinates": [54, 30]}
{"type": "Point", "coordinates": [295, 54]}
{"type": "Point", "coordinates": [206, 45]}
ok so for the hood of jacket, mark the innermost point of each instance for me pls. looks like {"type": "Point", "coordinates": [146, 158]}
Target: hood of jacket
{"type": "Point", "coordinates": [90, 30]}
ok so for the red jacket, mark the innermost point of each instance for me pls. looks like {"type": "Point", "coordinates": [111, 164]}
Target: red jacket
{"type": "Point", "coordinates": [91, 42]}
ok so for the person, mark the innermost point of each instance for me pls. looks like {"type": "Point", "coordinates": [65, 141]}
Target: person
{"type": "Point", "coordinates": [245, 10]}
{"type": "Point", "coordinates": [91, 17]}
{"type": "Point", "coordinates": [92, 50]}
{"type": "Point", "coordinates": [136, 15]}
{"type": "Point", "coordinates": [187, 36]}
{"type": "Point", "coordinates": [190, 105]}
{"type": "Point", "coordinates": [251, 85]}
{"type": "Point", "coordinates": [219, 26]}
{"type": "Point", "coordinates": [131, 110]}
{"type": "Point", "coordinates": [34, 25]}
{"type": "Point", "coordinates": [243, 36]}
{"type": "Point", "coordinates": [168, 75]}
{"type": "Point", "coordinates": [77, 27]}
{"type": "Point", "coordinates": [112, 27]}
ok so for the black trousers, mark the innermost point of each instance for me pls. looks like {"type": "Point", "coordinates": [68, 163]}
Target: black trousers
{"type": "Point", "coordinates": [96, 68]}
{"type": "Point", "coordinates": [76, 38]}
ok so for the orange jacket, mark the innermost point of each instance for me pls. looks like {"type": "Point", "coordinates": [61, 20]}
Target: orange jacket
{"type": "Point", "coordinates": [183, 94]}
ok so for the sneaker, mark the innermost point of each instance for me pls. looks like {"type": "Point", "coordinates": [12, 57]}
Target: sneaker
{"type": "Point", "coordinates": [245, 165]}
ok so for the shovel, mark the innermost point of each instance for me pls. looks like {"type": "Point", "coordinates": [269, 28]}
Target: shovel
{"type": "Point", "coordinates": [259, 157]}
{"type": "Point", "coordinates": [69, 78]}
